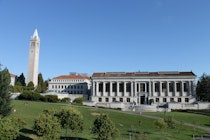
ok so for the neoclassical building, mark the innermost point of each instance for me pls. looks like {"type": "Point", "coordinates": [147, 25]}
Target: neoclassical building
{"type": "Point", "coordinates": [72, 84]}
{"type": "Point", "coordinates": [143, 87]}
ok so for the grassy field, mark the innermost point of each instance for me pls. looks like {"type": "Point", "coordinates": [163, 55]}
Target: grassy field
{"type": "Point", "coordinates": [128, 124]}
{"type": "Point", "coordinates": [196, 119]}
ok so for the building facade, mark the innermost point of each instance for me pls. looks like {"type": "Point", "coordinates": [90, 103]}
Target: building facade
{"type": "Point", "coordinates": [71, 84]}
{"type": "Point", "coordinates": [13, 79]}
{"type": "Point", "coordinates": [33, 60]}
{"type": "Point", "coordinates": [143, 87]}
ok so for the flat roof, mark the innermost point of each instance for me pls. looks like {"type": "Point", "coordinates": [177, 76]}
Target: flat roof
{"type": "Point", "coordinates": [143, 74]}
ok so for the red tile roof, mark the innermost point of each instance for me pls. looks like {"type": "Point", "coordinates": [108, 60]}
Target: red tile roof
{"type": "Point", "coordinates": [12, 75]}
{"type": "Point", "coordinates": [72, 77]}
{"type": "Point", "coordinates": [143, 74]}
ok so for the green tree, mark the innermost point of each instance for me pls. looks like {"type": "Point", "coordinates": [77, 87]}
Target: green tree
{"type": "Point", "coordinates": [41, 87]}
{"type": "Point", "coordinates": [47, 126]}
{"type": "Point", "coordinates": [160, 123]}
{"type": "Point", "coordinates": [79, 100]}
{"type": "Point", "coordinates": [70, 118]}
{"type": "Point", "coordinates": [30, 86]}
{"type": "Point", "coordinates": [5, 101]}
{"type": "Point", "coordinates": [21, 79]}
{"type": "Point", "coordinates": [104, 128]}
{"type": "Point", "coordinates": [18, 87]}
{"type": "Point", "coordinates": [10, 128]}
{"type": "Point", "coordinates": [203, 88]}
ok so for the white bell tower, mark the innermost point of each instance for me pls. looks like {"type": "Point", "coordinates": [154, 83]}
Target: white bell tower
{"type": "Point", "coordinates": [33, 60]}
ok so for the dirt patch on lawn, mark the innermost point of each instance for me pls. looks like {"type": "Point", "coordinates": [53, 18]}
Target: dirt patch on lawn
{"type": "Point", "coordinates": [95, 114]}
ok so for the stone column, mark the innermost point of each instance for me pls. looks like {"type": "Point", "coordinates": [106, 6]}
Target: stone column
{"type": "Point", "coordinates": [182, 89]}
{"type": "Point", "coordinates": [135, 89]}
{"type": "Point", "coordinates": [131, 89]}
{"type": "Point", "coordinates": [94, 88]}
{"type": "Point", "coordinates": [153, 88]}
{"type": "Point", "coordinates": [97, 89]}
{"type": "Point", "coordinates": [110, 88]}
{"type": "Point", "coordinates": [124, 93]}
{"type": "Point", "coordinates": [167, 88]}
{"type": "Point", "coordinates": [160, 86]}
{"type": "Point", "coordinates": [139, 87]}
{"type": "Point", "coordinates": [118, 88]}
{"type": "Point", "coordinates": [104, 88]}
{"type": "Point", "coordinates": [190, 88]}
{"type": "Point", "coordinates": [145, 84]}
{"type": "Point", "coordinates": [174, 93]}
{"type": "Point", "coordinates": [149, 90]}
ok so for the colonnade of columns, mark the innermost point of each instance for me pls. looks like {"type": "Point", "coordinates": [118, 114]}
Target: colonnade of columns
{"type": "Point", "coordinates": [142, 88]}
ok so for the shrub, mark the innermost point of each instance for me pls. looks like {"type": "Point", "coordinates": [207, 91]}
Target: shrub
{"type": "Point", "coordinates": [47, 126]}
{"type": "Point", "coordinates": [51, 98]}
{"type": "Point", "coordinates": [29, 95]}
{"type": "Point", "coordinates": [104, 128]}
{"type": "Point", "coordinates": [10, 128]}
{"type": "Point", "coordinates": [79, 100]}
{"type": "Point", "coordinates": [170, 122]}
{"type": "Point", "coordinates": [160, 123]}
{"type": "Point", "coordinates": [66, 100]}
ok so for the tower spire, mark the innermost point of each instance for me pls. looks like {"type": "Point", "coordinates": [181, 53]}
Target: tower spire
{"type": "Point", "coordinates": [35, 34]}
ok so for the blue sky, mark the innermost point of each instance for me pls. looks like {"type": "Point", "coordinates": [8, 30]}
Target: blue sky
{"type": "Point", "coordinates": [88, 36]}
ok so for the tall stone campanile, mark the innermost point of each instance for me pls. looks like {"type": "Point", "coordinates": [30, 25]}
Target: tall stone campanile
{"type": "Point", "coordinates": [33, 60]}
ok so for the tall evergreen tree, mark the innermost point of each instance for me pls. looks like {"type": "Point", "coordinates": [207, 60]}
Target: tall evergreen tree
{"type": "Point", "coordinates": [203, 88]}
{"type": "Point", "coordinates": [41, 84]}
{"type": "Point", "coordinates": [21, 79]}
{"type": "Point", "coordinates": [5, 100]}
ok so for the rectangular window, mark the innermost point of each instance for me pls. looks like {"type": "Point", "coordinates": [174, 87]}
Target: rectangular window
{"type": "Point", "coordinates": [137, 86]}
{"type": "Point", "coordinates": [101, 87]}
{"type": "Point", "coordinates": [121, 87]}
{"type": "Point", "coordinates": [186, 100]}
{"type": "Point", "coordinates": [107, 87]}
{"type": "Point", "coordinates": [128, 99]}
{"type": "Point", "coordinates": [164, 87]}
{"type": "Point", "coordinates": [114, 87]}
{"type": "Point", "coordinates": [157, 87]}
{"type": "Point", "coordinates": [113, 99]}
{"type": "Point", "coordinates": [186, 87]}
{"type": "Point", "coordinates": [121, 99]}
{"type": "Point", "coordinates": [142, 87]}
{"type": "Point", "coordinates": [178, 87]}
{"type": "Point", "coordinates": [171, 87]}
{"type": "Point", "coordinates": [164, 100]}
{"type": "Point", "coordinates": [128, 87]}
{"type": "Point", "coordinates": [171, 99]}
{"type": "Point", "coordinates": [107, 99]}
{"type": "Point", "coordinates": [179, 100]}
{"type": "Point", "coordinates": [147, 87]}
{"type": "Point", "coordinates": [156, 99]}
{"type": "Point", "coordinates": [100, 99]}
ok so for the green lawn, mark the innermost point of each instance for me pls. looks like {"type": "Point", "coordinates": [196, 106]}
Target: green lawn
{"type": "Point", "coordinates": [196, 119]}
{"type": "Point", "coordinates": [128, 124]}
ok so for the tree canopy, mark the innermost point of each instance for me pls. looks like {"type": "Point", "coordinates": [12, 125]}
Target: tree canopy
{"type": "Point", "coordinates": [5, 100]}
{"type": "Point", "coordinates": [42, 86]}
{"type": "Point", "coordinates": [103, 127]}
{"type": "Point", "coordinates": [47, 126]}
{"type": "Point", "coordinates": [70, 118]}
{"type": "Point", "coordinates": [21, 79]}
{"type": "Point", "coordinates": [203, 88]}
